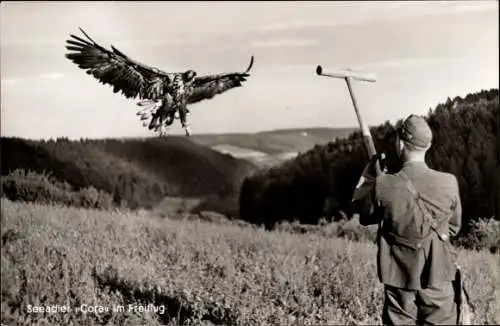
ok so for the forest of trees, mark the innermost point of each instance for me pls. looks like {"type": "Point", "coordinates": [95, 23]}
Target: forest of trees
{"type": "Point", "coordinates": [320, 182]}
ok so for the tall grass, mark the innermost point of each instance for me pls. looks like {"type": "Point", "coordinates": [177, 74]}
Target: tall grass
{"type": "Point", "coordinates": [199, 272]}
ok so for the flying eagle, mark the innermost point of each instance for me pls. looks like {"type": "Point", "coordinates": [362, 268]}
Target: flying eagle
{"type": "Point", "coordinates": [163, 95]}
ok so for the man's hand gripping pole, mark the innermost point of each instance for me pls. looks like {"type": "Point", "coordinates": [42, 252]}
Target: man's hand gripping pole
{"type": "Point", "coordinates": [348, 76]}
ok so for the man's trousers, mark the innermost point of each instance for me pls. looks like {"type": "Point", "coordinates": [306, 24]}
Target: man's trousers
{"type": "Point", "coordinates": [431, 306]}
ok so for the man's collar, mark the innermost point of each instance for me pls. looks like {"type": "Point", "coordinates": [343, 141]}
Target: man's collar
{"type": "Point", "coordinates": [414, 163]}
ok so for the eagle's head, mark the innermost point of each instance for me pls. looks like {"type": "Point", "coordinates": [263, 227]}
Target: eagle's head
{"type": "Point", "coordinates": [189, 76]}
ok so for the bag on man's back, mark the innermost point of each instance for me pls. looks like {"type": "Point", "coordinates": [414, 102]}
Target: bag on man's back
{"type": "Point", "coordinates": [462, 299]}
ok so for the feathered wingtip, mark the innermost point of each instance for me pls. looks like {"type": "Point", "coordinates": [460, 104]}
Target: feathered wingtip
{"type": "Point", "coordinates": [250, 65]}
{"type": "Point", "coordinates": [87, 42]}
{"type": "Point", "coordinates": [90, 39]}
{"type": "Point", "coordinates": [77, 43]}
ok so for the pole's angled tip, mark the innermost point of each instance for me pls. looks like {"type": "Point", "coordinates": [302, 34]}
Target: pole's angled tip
{"type": "Point", "coordinates": [319, 70]}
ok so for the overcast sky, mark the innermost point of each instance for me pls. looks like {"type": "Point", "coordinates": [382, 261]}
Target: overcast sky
{"type": "Point", "coordinates": [421, 52]}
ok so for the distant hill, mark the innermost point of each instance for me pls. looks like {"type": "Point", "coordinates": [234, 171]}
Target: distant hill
{"type": "Point", "coordinates": [138, 172]}
{"type": "Point", "coordinates": [143, 172]}
{"type": "Point", "coordinates": [261, 159]}
{"type": "Point", "coordinates": [275, 141]}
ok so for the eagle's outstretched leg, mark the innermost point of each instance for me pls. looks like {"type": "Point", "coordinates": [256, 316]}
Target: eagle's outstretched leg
{"type": "Point", "coordinates": [154, 120]}
{"type": "Point", "coordinates": [162, 117]}
{"type": "Point", "coordinates": [169, 119]}
{"type": "Point", "coordinates": [157, 124]}
{"type": "Point", "coordinates": [166, 119]}
{"type": "Point", "coordinates": [163, 131]}
{"type": "Point", "coordinates": [183, 117]}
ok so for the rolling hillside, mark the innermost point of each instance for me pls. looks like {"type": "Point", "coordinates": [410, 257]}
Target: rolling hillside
{"type": "Point", "coordinates": [138, 172]}
{"type": "Point", "coordinates": [143, 173]}
{"type": "Point", "coordinates": [275, 141]}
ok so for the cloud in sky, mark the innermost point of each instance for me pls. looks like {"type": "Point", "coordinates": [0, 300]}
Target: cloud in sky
{"type": "Point", "coordinates": [407, 62]}
{"type": "Point", "coordinates": [285, 42]}
{"type": "Point", "coordinates": [51, 75]}
{"type": "Point", "coordinates": [48, 76]}
{"type": "Point", "coordinates": [11, 81]}
{"type": "Point", "coordinates": [307, 68]}
{"type": "Point", "coordinates": [298, 24]}
{"type": "Point", "coordinates": [161, 40]}
{"type": "Point", "coordinates": [347, 14]}
{"type": "Point", "coordinates": [363, 68]}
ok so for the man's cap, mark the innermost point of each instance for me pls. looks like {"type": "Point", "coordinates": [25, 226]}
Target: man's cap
{"type": "Point", "coordinates": [416, 131]}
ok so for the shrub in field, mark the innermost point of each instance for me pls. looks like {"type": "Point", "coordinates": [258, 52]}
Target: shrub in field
{"type": "Point", "coordinates": [43, 188]}
{"type": "Point", "coordinates": [483, 234]}
{"type": "Point", "coordinates": [353, 230]}
{"type": "Point", "coordinates": [36, 187]}
{"type": "Point", "coordinates": [349, 229]}
{"type": "Point", "coordinates": [93, 198]}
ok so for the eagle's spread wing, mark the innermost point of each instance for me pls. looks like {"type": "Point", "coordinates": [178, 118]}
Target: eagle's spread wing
{"type": "Point", "coordinates": [132, 78]}
{"type": "Point", "coordinates": [206, 87]}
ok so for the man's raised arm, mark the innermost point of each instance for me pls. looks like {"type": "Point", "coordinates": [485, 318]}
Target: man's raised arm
{"type": "Point", "coordinates": [364, 200]}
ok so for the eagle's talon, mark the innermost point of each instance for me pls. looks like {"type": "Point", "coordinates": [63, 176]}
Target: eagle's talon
{"type": "Point", "coordinates": [163, 130]}
{"type": "Point", "coordinates": [187, 130]}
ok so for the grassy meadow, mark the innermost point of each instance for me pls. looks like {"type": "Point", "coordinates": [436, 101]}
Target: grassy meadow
{"type": "Point", "coordinates": [199, 272]}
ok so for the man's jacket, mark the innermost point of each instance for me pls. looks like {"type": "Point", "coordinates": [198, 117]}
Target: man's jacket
{"type": "Point", "coordinates": [403, 262]}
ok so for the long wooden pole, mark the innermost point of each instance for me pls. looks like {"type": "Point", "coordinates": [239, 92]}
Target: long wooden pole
{"type": "Point", "coordinates": [348, 76]}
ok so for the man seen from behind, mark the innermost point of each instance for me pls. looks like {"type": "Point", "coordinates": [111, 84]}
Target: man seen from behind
{"type": "Point", "coordinates": [414, 261]}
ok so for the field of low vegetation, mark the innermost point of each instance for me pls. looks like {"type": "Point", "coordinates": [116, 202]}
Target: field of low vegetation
{"type": "Point", "coordinates": [198, 272]}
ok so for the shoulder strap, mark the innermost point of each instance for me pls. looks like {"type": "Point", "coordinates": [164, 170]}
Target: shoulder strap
{"type": "Point", "coordinates": [418, 199]}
